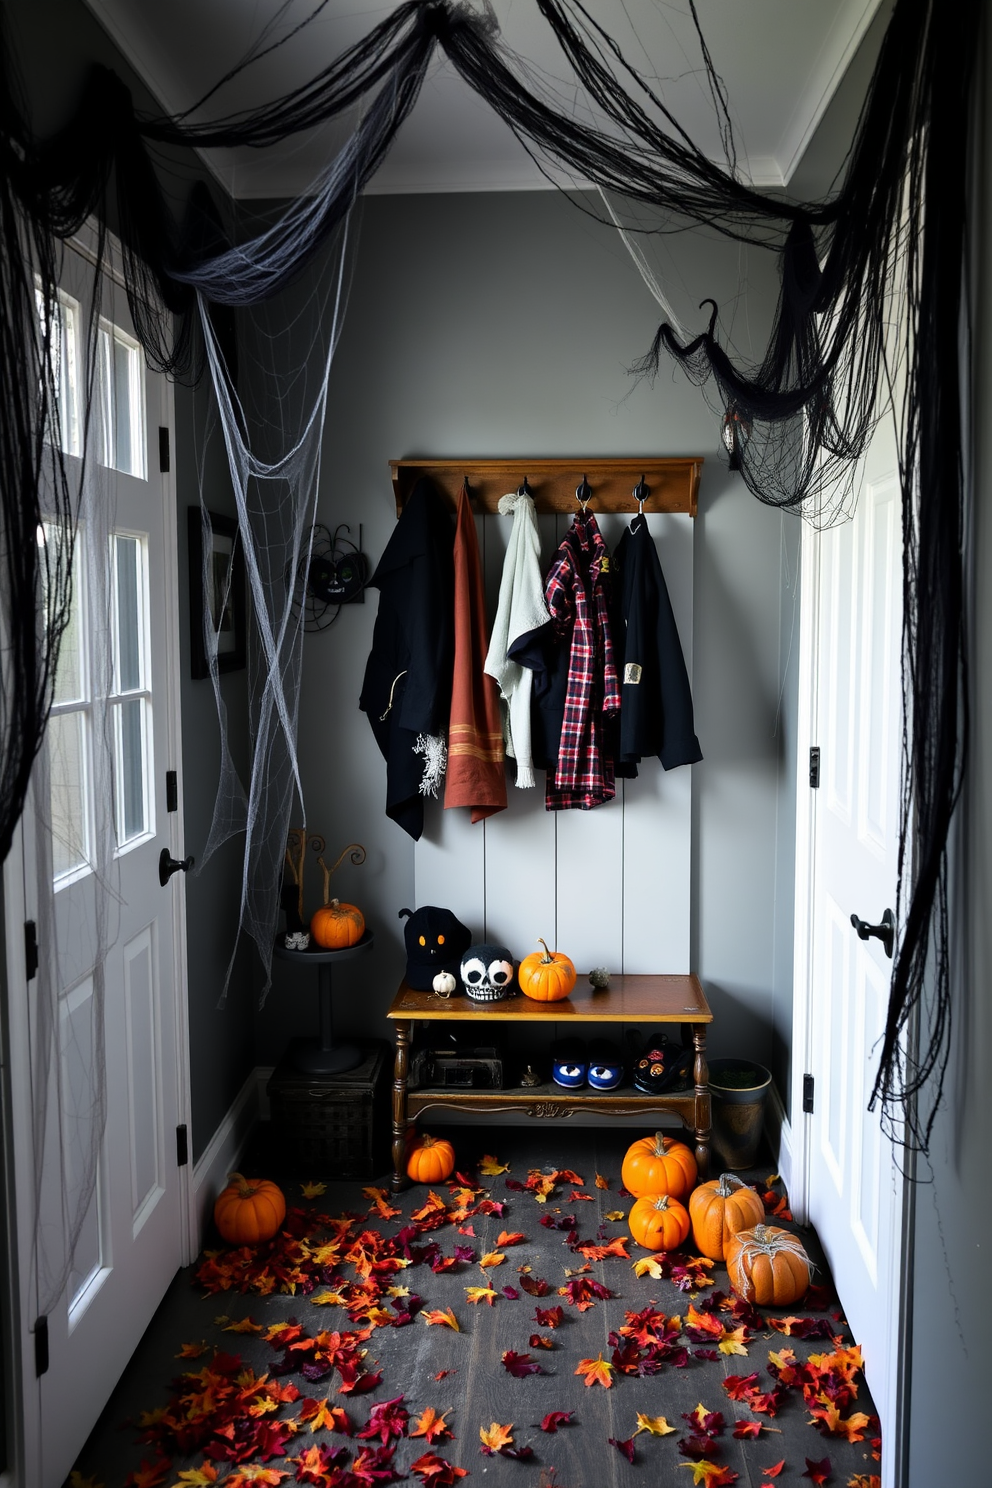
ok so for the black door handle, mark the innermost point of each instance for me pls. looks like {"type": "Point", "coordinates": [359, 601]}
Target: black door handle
{"type": "Point", "coordinates": [168, 865]}
{"type": "Point", "coordinates": [885, 932]}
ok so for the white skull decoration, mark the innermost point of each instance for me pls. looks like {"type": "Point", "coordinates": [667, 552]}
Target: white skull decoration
{"type": "Point", "coordinates": [487, 973]}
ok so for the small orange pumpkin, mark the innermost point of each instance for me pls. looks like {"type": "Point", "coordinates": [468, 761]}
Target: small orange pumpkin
{"type": "Point", "coordinates": [431, 1160]}
{"type": "Point", "coordinates": [719, 1209]}
{"type": "Point", "coordinates": [548, 977]}
{"type": "Point", "coordinates": [658, 1165]}
{"type": "Point", "coordinates": [659, 1222]}
{"type": "Point", "coordinates": [249, 1210]}
{"type": "Point", "coordinates": [336, 926]}
{"type": "Point", "coordinates": [768, 1266]}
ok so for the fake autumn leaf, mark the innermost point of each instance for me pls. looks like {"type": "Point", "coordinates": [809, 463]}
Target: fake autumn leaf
{"type": "Point", "coordinates": [556, 1419]}
{"type": "Point", "coordinates": [648, 1266]}
{"type": "Point", "coordinates": [193, 1350]}
{"type": "Point", "coordinates": [711, 1474]}
{"type": "Point", "coordinates": [388, 1419]}
{"type": "Point", "coordinates": [602, 1182]}
{"type": "Point", "coordinates": [596, 1372]}
{"type": "Point", "coordinates": [476, 1294]}
{"type": "Point", "coordinates": [656, 1425]}
{"type": "Point", "coordinates": [253, 1475]}
{"type": "Point", "coordinates": [750, 1430]}
{"type": "Point", "coordinates": [583, 1291]}
{"type": "Point", "coordinates": [817, 1472]}
{"type": "Point", "coordinates": [193, 1477]}
{"type": "Point", "coordinates": [520, 1365]}
{"type": "Point", "coordinates": [549, 1317]}
{"type": "Point", "coordinates": [313, 1190]}
{"type": "Point", "coordinates": [827, 1417]}
{"type": "Point", "coordinates": [541, 1341]}
{"type": "Point", "coordinates": [774, 1470]}
{"type": "Point", "coordinates": [492, 1258]}
{"type": "Point", "coordinates": [432, 1425]}
{"type": "Point", "coordinates": [495, 1437]}
{"type": "Point", "coordinates": [617, 1247]}
{"type": "Point", "coordinates": [515, 1237]}
{"type": "Point", "coordinates": [626, 1447]}
{"type": "Point", "coordinates": [437, 1472]}
{"type": "Point", "coordinates": [438, 1318]}
{"type": "Point", "coordinates": [615, 1214]}
{"type": "Point", "coordinates": [706, 1423]}
{"type": "Point", "coordinates": [149, 1474]}
{"type": "Point", "coordinates": [864, 1480]}
{"type": "Point", "coordinates": [491, 1167]}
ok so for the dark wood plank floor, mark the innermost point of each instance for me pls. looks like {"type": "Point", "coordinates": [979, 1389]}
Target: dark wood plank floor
{"type": "Point", "coordinates": [479, 1391]}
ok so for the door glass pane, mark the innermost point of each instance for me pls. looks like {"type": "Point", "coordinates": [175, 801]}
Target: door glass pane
{"type": "Point", "coordinates": [69, 674]}
{"type": "Point", "coordinates": [127, 554]}
{"type": "Point", "coordinates": [123, 453]}
{"type": "Point", "coordinates": [132, 769]}
{"type": "Point", "coordinates": [67, 765]}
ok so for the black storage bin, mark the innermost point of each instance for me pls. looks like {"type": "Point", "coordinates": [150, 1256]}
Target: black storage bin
{"type": "Point", "coordinates": [333, 1126]}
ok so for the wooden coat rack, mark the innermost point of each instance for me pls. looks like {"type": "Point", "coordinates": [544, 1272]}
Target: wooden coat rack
{"type": "Point", "coordinates": [673, 483]}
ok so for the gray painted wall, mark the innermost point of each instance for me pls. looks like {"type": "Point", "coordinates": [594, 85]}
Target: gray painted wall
{"type": "Point", "coordinates": [491, 325]}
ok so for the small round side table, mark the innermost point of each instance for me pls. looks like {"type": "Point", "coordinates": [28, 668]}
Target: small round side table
{"type": "Point", "coordinates": [323, 1056]}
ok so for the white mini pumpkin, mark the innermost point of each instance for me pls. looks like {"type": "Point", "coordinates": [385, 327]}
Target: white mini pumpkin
{"type": "Point", "coordinates": [444, 983]}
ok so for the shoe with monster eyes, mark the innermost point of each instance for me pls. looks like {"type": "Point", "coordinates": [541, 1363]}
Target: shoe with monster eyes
{"type": "Point", "coordinates": [569, 1063]}
{"type": "Point", "coordinates": [660, 1065]}
{"type": "Point", "coordinates": [487, 973]}
{"type": "Point", "coordinates": [605, 1065]}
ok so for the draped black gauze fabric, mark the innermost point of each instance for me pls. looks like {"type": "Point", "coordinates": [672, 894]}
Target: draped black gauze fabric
{"type": "Point", "coordinates": [890, 240]}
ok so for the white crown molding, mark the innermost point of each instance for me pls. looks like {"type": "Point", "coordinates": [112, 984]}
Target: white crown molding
{"type": "Point", "coordinates": [846, 34]}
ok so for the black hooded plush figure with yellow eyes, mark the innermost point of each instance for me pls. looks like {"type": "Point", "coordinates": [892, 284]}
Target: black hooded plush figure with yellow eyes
{"type": "Point", "coordinates": [435, 941]}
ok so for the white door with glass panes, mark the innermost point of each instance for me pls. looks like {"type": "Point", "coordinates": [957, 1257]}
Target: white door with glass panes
{"type": "Point", "coordinates": [102, 1203]}
{"type": "Point", "coordinates": [852, 605]}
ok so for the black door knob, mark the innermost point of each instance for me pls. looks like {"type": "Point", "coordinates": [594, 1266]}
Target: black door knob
{"type": "Point", "coordinates": [885, 932]}
{"type": "Point", "coordinates": [168, 865]}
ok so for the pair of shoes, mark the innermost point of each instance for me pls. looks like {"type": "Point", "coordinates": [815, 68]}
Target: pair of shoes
{"type": "Point", "coordinates": [661, 1064]}
{"type": "Point", "coordinates": [573, 1065]}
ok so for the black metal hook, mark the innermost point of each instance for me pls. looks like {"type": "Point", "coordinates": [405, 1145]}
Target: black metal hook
{"type": "Point", "coordinates": [640, 493]}
{"type": "Point", "coordinates": [583, 493]}
{"type": "Point", "coordinates": [525, 489]}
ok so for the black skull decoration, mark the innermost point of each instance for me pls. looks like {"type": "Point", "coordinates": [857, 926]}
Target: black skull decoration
{"type": "Point", "coordinates": [487, 973]}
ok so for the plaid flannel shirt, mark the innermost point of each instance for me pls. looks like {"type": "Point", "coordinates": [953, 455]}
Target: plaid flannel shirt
{"type": "Point", "coordinates": [576, 593]}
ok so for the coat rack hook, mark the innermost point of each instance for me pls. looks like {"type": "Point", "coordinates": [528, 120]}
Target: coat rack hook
{"type": "Point", "coordinates": [524, 490]}
{"type": "Point", "coordinates": [583, 493]}
{"type": "Point", "coordinates": [640, 493]}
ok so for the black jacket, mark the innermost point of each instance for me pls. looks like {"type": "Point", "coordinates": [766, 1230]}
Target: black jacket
{"type": "Point", "coordinates": [656, 707]}
{"type": "Point", "coordinates": [407, 687]}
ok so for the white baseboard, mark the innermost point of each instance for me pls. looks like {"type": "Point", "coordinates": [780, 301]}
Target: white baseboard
{"type": "Point", "coordinates": [778, 1130]}
{"type": "Point", "coordinates": [223, 1152]}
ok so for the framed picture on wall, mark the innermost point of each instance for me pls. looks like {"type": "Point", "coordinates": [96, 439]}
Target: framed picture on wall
{"type": "Point", "coordinates": [217, 590]}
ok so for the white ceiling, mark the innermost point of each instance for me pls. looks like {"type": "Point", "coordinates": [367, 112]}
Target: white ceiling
{"type": "Point", "coordinates": [779, 59]}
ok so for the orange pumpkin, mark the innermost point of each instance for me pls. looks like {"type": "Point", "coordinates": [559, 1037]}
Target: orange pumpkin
{"type": "Point", "coordinates": [658, 1165]}
{"type": "Point", "coordinates": [336, 926]}
{"type": "Point", "coordinates": [719, 1209]}
{"type": "Point", "coordinates": [659, 1222]}
{"type": "Point", "coordinates": [768, 1266]}
{"type": "Point", "coordinates": [548, 977]}
{"type": "Point", "coordinates": [249, 1210]}
{"type": "Point", "coordinates": [431, 1160]}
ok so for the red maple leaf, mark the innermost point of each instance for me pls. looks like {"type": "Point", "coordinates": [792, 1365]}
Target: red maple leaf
{"type": "Point", "coordinates": [549, 1317]}
{"type": "Point", "coordinates": [436, 1472]}
{"type": "Point", "coordinates": [554, 1419]}
{"type": "Point", "coordinates": [520, 1365]}
{"type": "Point", "coordinates": [747, 1430]}
{"type": "Point", "coordinates": [817, 1472]}
{"type": "Point", "coordinates": [626, 1447]}
{"type": "Point", "coordinates": [388, 1419]}
{"type": "Point", "coordinates": [773, 1471]}
{"type": "Point", "coordinates": [582, 1292]}
{"type": "Point", "coordinates": [535, 1286]}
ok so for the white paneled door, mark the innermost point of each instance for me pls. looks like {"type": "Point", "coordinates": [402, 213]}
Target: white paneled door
{"type": "Point", "coordinates": [98, 1087]}
{"type": "Point", "coordinates": [854, 1182]}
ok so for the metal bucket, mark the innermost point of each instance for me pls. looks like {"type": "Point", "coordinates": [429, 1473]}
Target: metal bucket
{"type": "Point", "coordinates": [738, 1114]}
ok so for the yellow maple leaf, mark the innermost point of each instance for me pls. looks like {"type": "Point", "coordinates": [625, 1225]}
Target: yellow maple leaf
{"type": "Point", "coordinates": [647, 1266]}
{"type": "Point", "coordinates": [491, 1167]}
{"type": "Point", "coordinates": [733, 1343]}
{"type": "Point", "coordinates": [704, 1472]}
{"type": "Point", "coordinates": [602, 1182]}
{"type": "Point", "coordinates": [445, 1319]}
{"type": "Point", "coordinates": [496, 1436]}
{"type": "Point", "coordinates": [193, 1477]}
{"type": "Point", "coordinates": [313, 1190]}
{"type": "Point", "coordinates": [243, 1325]}
{"type": "Point", "coordinates": [329, 1299]}
{"type": "Point", "coordinates": [596, 1372]}
{"type": "Point", "coordinates": [657, 1425]}
{"type": "Point", "coordinates": [772, 1178]}
{"type": "Point", "coordinates": [397, 1291]}
{"type": "Point", "coordinates": [481, 1294]}
{"type": "Point", "coordinates": [492, 1258]}
{"type": "Point", "coordinates": [614, 1215]}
